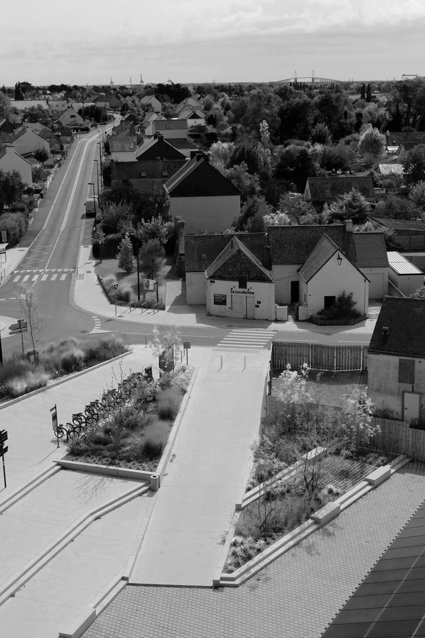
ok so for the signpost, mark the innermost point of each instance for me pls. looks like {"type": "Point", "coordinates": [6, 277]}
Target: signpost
{"type": "Point", "coordinates": [115, 286]}
{"type": "Point", "coordinates": [54, 413]}
{"type": "Point", "coordinates": [186, 346]}
{"type": "Point", "coordinates": [3, 450]}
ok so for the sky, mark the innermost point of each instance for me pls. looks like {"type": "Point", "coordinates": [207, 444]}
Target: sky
{"type": "Point", "coordinates": [94, 41]}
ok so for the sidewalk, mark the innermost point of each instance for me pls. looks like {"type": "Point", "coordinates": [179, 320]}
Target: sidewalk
{"type": "Point", "coordinates": [211, 463]}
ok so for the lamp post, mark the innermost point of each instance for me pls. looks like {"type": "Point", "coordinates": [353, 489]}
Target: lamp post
{"type": "Point", "coordinates": [97, 176]}
{"type": "Point", "coordinates": [94, 198]}
{"type": "Point", "coordinates": [100, 153]}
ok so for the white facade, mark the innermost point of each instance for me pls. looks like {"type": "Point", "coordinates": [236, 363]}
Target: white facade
{"type": "Point", "coordinates": [225, 299]}
{"type": "Point", "coordinates": [195, 288]}
{"type": "Point", "coordinates": [124, 156]}
{"type": "Point", "coordinates": [378, 282]}
{"type": "Point", "coordinates": [211, 214]}
{"type": "Point", "coordinates": [283, 276]}
{"type": "Point", "coordinates": [330, 281]}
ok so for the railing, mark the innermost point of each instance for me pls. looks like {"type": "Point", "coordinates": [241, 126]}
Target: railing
{"type": "Point", "coordinates": [318, 356]}
{"type": "Point", "coordinates": [101, 408]}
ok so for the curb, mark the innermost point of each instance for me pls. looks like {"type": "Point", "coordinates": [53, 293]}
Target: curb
{"type": "Point", "coordinates": [287, 542]}
{"type": "Point", "coordinates": [27, 488]}
{"type": "Point", "coordinates": [74, 530]}
{"type": "Point", "coordinates": [68, 377]}
{"type": "Point", "coordinates": [106, 470]}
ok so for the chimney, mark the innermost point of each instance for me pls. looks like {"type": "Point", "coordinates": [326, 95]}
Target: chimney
{"type": "Point", "coordinates": [200, 155]}
{"type": "Point", "coordinates": [349, 226]}
{"type": "Point", "coordinates": [158, 135]}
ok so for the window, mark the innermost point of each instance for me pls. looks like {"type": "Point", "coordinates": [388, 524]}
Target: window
{"type": "Point", "coordinates": [143, 173]}
{"type": "Point", "coordinates": [242, 282]}
{"type": "Point", "coordinates": [164, 173]}
{"type": "Point", "coordinates": [220, 300]}
{"type": "Point", "coordinates": [406, 371]}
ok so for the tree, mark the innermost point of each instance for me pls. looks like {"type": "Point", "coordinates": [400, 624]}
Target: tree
{"type": "Point", "coordinates": [368, 93]}
{"type": "Point", "coordinates": [294, 166]}
{"type": "Point", "coordinates": [252, 214]}
{"type": "Point", "coordinates": [417, 195]}
{"type": "Point", "coordinates": [276, 219]}
{"type": "Point", "coordinates": [363, 92]}
{"type": "Point", "coordinates": [155, 228]}
{"type": "Point", "coordinates": [419, 293]}
{"type": "Point", "coordinates": [249, 185]}
{"type": "Point", "coordinates": [338, 157]}
{"type": "Point", "coordinates": [371, 143]}
{"type": "Point", "coordinates": [115, 217]}
{"type": "Point", "coordinates": [220, 154]}
{"type": "Point", "coordinates": [11, 188]}
{"type": "Point", "coordinates": [151, 258]}
{"type": "Point", "coordinates": [414, 164]}
{"type": "Point", "coordinates": [41, 155]}
{"type": "Point", "coordinates": [29, 308]}
{"type": "Point", "coordinates": [320, 134]}
{"type": "Point", "coordinates": [125, 255]}
{"type": "Point", "coordinates": [296, 208]}
{"type": "Point", "coordinates": [352, 205]}
{"type": "Point", "coordinates": [396, 208]}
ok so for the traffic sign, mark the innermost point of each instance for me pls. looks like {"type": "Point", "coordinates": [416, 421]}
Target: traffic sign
{"type": "Point", "coordinates": [3, 450]}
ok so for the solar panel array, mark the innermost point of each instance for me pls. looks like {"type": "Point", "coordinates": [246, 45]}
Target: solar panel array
{"type": "Point", "coordinates": [390, 602]}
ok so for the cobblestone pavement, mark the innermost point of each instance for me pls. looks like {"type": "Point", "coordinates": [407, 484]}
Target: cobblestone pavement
{"type": "Point", "coordinates": [295, 597]}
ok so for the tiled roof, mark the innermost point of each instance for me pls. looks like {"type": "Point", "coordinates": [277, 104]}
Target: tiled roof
{"type": "Point", "coordinates": [405, 319]}
{"type": "Point", "coordinates": [202, 250]}
{"type": "Point", "coordinates": [319, 256]}
{"type": "Point", "coordinates": [122, 144]}
{"type": "Point", "coordinates": [183, 143]}
{"type": "Point", "coordinates": [198, 178]}
{"type": "Point", "coordinates": [158, 147]}
{"type": "Point", "coordinates": [191, 113]}
{"type": "Point", "coordinates": [293, 244]}
{"type": "Point", "coordinates": [235, 250]}
{"type": "Point", "coordinates": [412, 225]}
{"type": "Point", "coordinates": [162, 126]}
{"type": "Point", "coordinates": [326, 189]}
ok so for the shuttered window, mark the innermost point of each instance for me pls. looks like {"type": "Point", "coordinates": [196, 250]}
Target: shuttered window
{"type": "Point", "coordinates": [406, 371]}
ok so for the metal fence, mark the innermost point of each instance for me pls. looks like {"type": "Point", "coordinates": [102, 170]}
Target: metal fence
{"type": "Point", "coordinates": [318, 356]}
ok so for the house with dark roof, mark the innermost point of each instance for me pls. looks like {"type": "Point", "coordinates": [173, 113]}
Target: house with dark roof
{"type": "Point", "coordinates": [123, 148]}
{"type": "Point", "coordinates": [396, 360]}
{"type": "Point", "coordinates": [53, 140]}
{"type": "Point", "coordinates": [10, 161]}
{"type": "Point", "coordinates": [239, 285]}
{"type": "Point", "coordinates": [153, 164]}
{"type": "Point", "coordinates": [407, 234]}
{"type": "Point", "coordinates": [26, 141]}
{"type": "Point", "coordinates": [404, 139]}
{"type": "Point", "coordinates": [175, 131]}
{"type": "Point", "coordinates": [323, 190]}
{"type": "Point", "coordinates": [71, 118]}
{"type": "Point", "coordinates": [325, 274]}
{"type": "Point", "coordinates": [193, 116]}
{"type": "Point", "coordinates": [202, 197]}
{"type": "Point", "coordinates": [152, 103]}
{"type": "Point", "coordinates": [291, 246]}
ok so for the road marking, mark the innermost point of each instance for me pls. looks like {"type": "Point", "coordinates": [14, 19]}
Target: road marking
{"type": "Point", "coordinates": [54, 277]}
{"type": "Point", "coordinates": [35, 277]}
{"type": "Point", "coordinates": [247, 339]}
{"type": "Point", "coordinates": [62, 277]}
{"type": "Point", "coordinates": [26, 277]}
{"type": "Point", "coordinates": [16, 279]}
{"type": "Point", "coordinates": [44, 277]}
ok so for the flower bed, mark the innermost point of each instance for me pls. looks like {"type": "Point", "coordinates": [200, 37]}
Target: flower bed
{"type": "Point", "coordinates": [134, 434]}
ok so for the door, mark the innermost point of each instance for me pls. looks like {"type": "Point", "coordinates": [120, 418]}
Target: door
{"type": "Point", "coordinates": [411, 406]}
{"type": "Point", "coordinates": [295, 291]}
{"type": "Point", "coordinates": [238, 305]}
{"type": "Point", "coordinates": [250, 307]}
{"type": "Point", "coordinates": [329, 301]}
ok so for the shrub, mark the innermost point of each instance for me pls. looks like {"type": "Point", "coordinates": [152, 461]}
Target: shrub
{"type": "Point", "coordinates": [72, 361]}
{"type": "Point", "coordinates": [168, 403]}
{"type": "Point", "coordinates": [15, 224]}
{"type": "Point", "coordinates": [103, 349]}
{"type": "Point", "coordinates": [30, 380]}
{"type": "Point", "coordinates": [151, 449]}
{"type": "Point", "coordinates": [14, 368]}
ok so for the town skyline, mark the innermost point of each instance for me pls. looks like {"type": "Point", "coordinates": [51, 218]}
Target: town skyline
{"type": "Point", "coordinates": [195, 41]}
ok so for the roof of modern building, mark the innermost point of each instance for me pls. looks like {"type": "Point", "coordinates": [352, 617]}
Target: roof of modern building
{"type": "Point", "coordinates": [198, 178]}
{"type": "Point", "coordinates": [326, 189]}
{"type": "Point", "coordinates": [401, 265]}
{"type": "Point", "coordinates": [391, 599]}
{"type": "Point", "coordinates": [243, 260]}
{"type": "Point", "coordinates": [399, 329]}
{"type": "Point", "coordinates": [201, 250]}
{"type": "Point", "coordinates": [411, 225]}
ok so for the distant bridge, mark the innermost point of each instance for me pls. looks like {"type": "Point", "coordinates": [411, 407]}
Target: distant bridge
{"type": "Point", "coordinates": [310, 79]}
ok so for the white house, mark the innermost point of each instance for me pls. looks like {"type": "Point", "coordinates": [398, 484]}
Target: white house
{"type": "Point", "coordinates": [403, 274]}
{"type": "Point", "coordinates": [238, 285]}
{"type": "Point", "coordinates": [202, 197]}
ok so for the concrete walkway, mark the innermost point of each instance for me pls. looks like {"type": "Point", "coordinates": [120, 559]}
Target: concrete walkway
{"type": "Point", "coordinates": [210, 467]}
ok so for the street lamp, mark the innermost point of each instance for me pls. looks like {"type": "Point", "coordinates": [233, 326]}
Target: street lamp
{"type": "Point", "coordinates": [97, 176]}
{"type": "Point", "coordinates": [94, 198]}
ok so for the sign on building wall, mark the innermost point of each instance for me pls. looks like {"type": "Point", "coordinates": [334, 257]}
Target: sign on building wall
{"type": "Point", "coordinates": [220, 300]}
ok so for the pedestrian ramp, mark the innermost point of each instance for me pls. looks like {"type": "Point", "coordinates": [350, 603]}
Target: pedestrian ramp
{"type": "Point", "coordinates": [247, 339]}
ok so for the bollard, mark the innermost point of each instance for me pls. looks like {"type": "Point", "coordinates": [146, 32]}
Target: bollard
{"type": "Point", "coordinates": [154, 482]}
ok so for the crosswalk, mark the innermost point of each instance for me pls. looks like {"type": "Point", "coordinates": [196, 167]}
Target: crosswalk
{"type": "Point", "coordinates": [41, 275]}
{"type": "Point", "coordinates": [247, 339]}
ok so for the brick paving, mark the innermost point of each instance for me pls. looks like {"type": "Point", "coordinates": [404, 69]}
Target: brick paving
{"type": "Point", "coordinates": [295, 597]}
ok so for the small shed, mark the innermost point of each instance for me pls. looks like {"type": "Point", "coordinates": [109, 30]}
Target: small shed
{"type": "Point", "coordinates": [403, 274]}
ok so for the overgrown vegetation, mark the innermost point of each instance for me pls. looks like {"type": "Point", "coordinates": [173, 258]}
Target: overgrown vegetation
{"type": "Point", "coordinates": [19, 376]}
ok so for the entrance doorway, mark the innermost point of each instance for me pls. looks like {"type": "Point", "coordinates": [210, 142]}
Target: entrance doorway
{"type": "Point", "coordinates": [329, 301]}
{"type": "Point", "coordinates": [411, 406]}
{"type": "Point", "coordinates": [250, 307]}
{"type": "Point", "coordinates": [295, 291]}
{"type": "Point", "coordinates": [238, 305]}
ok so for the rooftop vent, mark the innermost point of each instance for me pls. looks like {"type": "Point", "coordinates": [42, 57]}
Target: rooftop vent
{"type": "Point", "coordinates": [385, 331]}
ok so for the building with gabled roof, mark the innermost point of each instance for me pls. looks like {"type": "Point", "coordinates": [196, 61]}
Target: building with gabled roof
{"type": "Point", "coordinates": [202, 197]}
{"type": "Point", "coordinates": [11, 161]}
{"type": "Point", "coordinates": [239, 285]}
{"type": "Point", "coordinates": [26, 141]}
{"type": "Point", "coordinates": [326, 273]}
{"type": "Point", "coordinates": [396, 359]}
{"type": "Point", "coordinates": [153, 163]}
{"type": "Point", "coordinates": [152, 103]}
{"type": "Point", "coordinates": [322, 190]}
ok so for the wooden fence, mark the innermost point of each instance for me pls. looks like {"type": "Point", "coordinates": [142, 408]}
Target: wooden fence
{"type": "Point", "coordinates": [399, 438]}
{"type": "Point", "coordinates": [318, 356]}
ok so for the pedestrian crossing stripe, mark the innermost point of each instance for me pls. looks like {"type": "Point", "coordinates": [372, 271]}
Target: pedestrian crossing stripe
{"type": "Point", "coordinates": [51, 274]}
{"type": "Point", "coordinates": [247, 339]}
{"type": "Point", "coordinates": [44, 270]}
